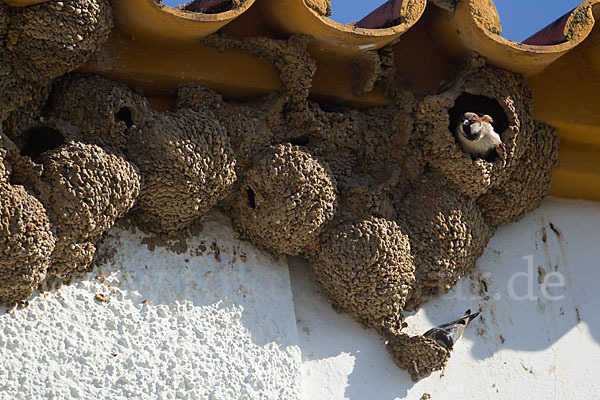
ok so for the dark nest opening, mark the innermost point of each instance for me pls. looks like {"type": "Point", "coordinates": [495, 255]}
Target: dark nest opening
{"type": "Point", "coordinates": [251, 198]}
{"type": "Point", "coordinates": [40, 139]}
{"type": "Point", "coordinates": [299, 140]}
{"type": "Point", "coordinates": [209, 6]}
{"type": "Point", "coordinates": [124, 115]}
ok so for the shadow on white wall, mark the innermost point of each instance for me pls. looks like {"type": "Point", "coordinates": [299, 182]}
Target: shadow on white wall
{"type": "Point", "coordinates": [536, 285]}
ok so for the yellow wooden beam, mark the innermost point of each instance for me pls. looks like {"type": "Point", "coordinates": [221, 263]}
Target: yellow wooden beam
{"type": "Point", "coordinates": [577, 174]}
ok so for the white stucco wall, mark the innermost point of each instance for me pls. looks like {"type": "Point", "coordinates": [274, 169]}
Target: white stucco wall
{"type": "Point", "coordinates": [204, 329]}
{"type": "Point", "coordinates": [172, 329]}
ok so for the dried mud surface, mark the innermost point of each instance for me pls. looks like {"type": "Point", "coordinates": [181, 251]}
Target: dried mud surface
{"type": "Point", "coordinates": [385, 204]}
{"type": "Point", "coordinates": [64, 34]}
{"type": "Point", "coordinates": [448, 236]}
{"type": "Point", "coordinates": [418, 355]}
{"type": "Point", "coordinates": [104, 115]}
{"type": "Point", "coordinates": [367, 270]}
{"type": "Point", "coordinates": [84, 190]}
{"type": "Point", "coordinates": [26, 243]}
{"type": "Point", "coordinates": [187, 165]}
{"type": "Point", "coordinates": [287, 197]}
{"type": "Point", "coordinates": [42, 42]}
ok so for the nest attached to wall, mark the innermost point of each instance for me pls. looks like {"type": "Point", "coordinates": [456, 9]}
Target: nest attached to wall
{"type": "Point", "coordinates": [384, 202]}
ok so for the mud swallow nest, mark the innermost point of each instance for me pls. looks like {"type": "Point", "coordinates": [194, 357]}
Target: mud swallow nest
{"type": "Point", "coordinates": [286, 198]}
{"type": "Point", "coordinates": [417, 355]}
{"type": "Point", "coordinates": [447, 237]}
{"type": "Point", "coordinates": [187, 164]}
{"type": "Point", "coordinates": [384, 202]}
{"type": "Point", "coordinates": [104, 115]}
{"type": "Point", "coordinates": [62, 33]}
{"type": "Point", "coordinates": [26, 243]}
{"type": "Point", "coordinates": [367, 270]}
{"type": "Point", "coordinates": [42, 42]}
{"type": "Point", "coordinates": [84, 190]}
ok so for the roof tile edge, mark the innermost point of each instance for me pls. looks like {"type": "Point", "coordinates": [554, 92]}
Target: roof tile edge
{"type": "Point", "coordinates": [148, 18]}
{"type": "Point", "coordinates": [475, 27]}
{"type": "Point", "coordinates": [345, 39]}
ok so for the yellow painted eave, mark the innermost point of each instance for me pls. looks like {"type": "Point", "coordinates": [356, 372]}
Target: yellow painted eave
{"type": "Point", "coordinates": [153, 48]}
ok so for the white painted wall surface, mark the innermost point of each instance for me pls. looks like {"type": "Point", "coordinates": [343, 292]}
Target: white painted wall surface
{"type": "Point", "coordinates": [201, 329]}
{"type": "Point", "coordinates": [256, 329]}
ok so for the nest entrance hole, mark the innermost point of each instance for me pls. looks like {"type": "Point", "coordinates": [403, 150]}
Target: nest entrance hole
{"type": "Point", "coordinates": [40, 139]}
{"type": "Point", "coordinates": [251, 198]}
{"type": "Point", "coordinates": [124, 115]}
{"type": "Point", "coordinates": [478, 104]}
{"type": "Point", "coordinates": [299, 140]}
{"type": "Point", "coordinates": [209, 6]}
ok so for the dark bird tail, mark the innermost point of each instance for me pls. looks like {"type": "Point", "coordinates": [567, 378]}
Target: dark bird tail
{"type": "Point", "coordinates": [464, 320]}
{"type": "Point", "coordinates": [470, 317]}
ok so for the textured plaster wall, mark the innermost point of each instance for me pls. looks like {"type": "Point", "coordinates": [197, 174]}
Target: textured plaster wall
{"type": "Point", "coordinates": [216, 322]}
{"type": "Point", "coordinates": [235, 323]}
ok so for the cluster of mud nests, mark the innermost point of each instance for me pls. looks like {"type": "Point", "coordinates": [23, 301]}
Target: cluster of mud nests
{"type": "Point", "coordinates": [384, 203]}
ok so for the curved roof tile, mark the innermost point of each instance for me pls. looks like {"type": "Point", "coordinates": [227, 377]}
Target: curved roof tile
{"type": "Point", "coordinates": [335, 40]}
{"type": "Point", "coordinates": [149, 19]}
{"type": "Point", "coordinates": [474, 26]}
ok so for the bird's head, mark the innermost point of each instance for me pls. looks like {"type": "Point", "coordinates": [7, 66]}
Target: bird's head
{"type": "Point", "coordinates": [470, 125]}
